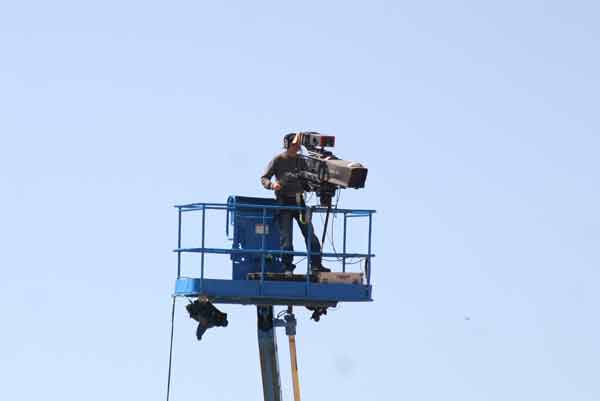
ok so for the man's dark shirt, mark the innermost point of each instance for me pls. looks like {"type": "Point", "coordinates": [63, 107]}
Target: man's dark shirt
{"type": "Point", "coordinates": [281, 166]}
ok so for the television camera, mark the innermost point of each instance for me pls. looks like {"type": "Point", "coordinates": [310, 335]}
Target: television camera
{"type": "Point", "coordinates": [321, 171]}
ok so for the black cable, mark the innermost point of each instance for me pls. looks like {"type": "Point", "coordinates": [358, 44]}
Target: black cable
{"type": "Point", "coordinates": [171, 348]}
{"type": "Point", "coordinates": [332, 235]}
{"type": "Point", "coordinates": [349, 261]}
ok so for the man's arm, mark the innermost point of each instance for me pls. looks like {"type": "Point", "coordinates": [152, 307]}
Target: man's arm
{"type": "Point", "coordinates": [266, 177]}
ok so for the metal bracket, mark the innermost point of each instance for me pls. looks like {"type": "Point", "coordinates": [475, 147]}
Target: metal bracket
{"type": "Point", "coordinates": [288, 322]}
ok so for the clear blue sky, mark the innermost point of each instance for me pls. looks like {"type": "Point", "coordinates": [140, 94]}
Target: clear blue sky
{"type": "Point", "coordinates": [479, 124]}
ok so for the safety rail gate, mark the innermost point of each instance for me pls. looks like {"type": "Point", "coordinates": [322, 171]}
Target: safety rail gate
{"type": "Point", "coordinates": [263, 291]}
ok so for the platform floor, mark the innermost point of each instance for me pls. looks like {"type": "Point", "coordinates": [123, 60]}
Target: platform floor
{"type": "Point", "coordinates": [272, 292]}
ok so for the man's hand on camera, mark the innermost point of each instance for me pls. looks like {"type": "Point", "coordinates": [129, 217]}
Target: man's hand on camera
{"type": "Point", "coordinates": [276, 186]}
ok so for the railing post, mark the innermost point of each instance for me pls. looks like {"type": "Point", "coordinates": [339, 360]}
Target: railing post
{"type": "Point", "coordinates": [262, 247]}
{"type": "Point", "coordinates": [344, 251]}
{"type": "Point", "coordinates": [227, 220]}
{"type": "Point", "coordinates": [369, 251]}
{"type": "Point", "coordinates": [203, 246]}
{"type": "Point", "coordinates": [179, 245]}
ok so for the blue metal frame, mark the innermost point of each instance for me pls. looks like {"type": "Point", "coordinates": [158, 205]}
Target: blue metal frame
{"type": "Point", "coordinates": [263, 291]}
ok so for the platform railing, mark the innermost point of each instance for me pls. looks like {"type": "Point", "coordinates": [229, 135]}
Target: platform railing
{"type": "Point", "coordinates": [232, 207]}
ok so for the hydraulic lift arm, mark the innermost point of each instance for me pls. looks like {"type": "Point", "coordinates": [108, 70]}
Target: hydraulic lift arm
{"type": "Point", "coordinates": [267, 347]}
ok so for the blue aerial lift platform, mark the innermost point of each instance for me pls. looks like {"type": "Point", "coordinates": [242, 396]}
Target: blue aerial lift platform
{"type": "Point", "coordinates": [255, 249]}
{"type": "Point", "coordinates": [257, 276]}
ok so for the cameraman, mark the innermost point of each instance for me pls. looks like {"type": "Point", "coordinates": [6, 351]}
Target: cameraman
{"type": "Point", "coordinates": [288, 191]}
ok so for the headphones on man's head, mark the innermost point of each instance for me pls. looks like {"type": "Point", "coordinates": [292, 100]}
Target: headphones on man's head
{"type": "Point", "coordinates": [290, 138]}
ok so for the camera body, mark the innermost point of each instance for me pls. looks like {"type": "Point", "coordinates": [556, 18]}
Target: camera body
{"type": "Point", "coordinates": [323, 172]}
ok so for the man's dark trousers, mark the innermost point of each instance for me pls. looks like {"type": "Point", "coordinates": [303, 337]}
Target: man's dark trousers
{"type": "Point", "coordinates": [286, 232]}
